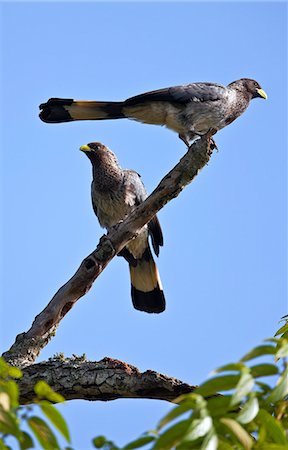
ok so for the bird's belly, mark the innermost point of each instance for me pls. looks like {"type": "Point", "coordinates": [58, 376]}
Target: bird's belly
{"type": "Point", "coordinates": [200, 118]}
{"type": "Point", "coordinates": [157, 113]}
{"type": "Point", "coordinates": [138, 245]}
{"type": "Point", "coordinates": [111, 210]}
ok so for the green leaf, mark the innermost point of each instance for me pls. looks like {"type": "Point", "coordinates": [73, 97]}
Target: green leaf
{"type": "Point", "coordinates": [11, 388]}
{"type": "Point", "coordinates": [26, 441]}
{"type": "Point", "coordinates": [265, 388]}
{"type": "Point", "coordinates": [102, 442]}
{"type": "Point", "coordinates": [268, 446]}
{"type": "Point", "coordinates": [14, 372]}
{"type": "Point", "coordinates": [43, 433]}
{"type": "Point", "coordinates": [283, 351]}
{"type": "Point", "coordinates": [249, 411]}
{"type": "Point", "coordinates": [259, 351]}
{"type": "Point", "coordinates": [263, 370]}
{"type": "Point", "coordinates": [235, 367]}
{"type": "Point", "coordinates": [99, 441]}
{"type": "Point", "coordinates": [4, 401]}
{"type": "Point", "coordinates": [223, 445]}
{"type": "Point", "coordinates": [56, 418]}
{"type": "Point", "coordinates": [172, 436]}
{"type": "Point", "coordinates": [285, 335]}
{"type": "Point", "coordinates": [43, 390]}
{"type": "Point", "coordinates": [183, 446]}
{"type": "Point", "coordinates": [243, 437]}
{"type": "Point", "coordinates": [214, 385]}
{"type": "Point", "coordinates": [176, 412]}
{"type": "Point", "coordinates": [219, 406]}
{"type": "Point", "coordinates": [210, 442]}
{"type": "Point", "coordinates": [199, 428]}
{"type": "Point", "coordinates": [274, 340]}
{"type": "Point", "coordinates": [271, 426]}
{"type": "Point", "coordinates": [243, 388]}
{"type": "Point", "coordinates": [4, 368]}
{"type": "Point", "coordinates": [3, 446]}
{"type": "Point", "coordinates": [8, 371]}
{"type": "Point", "coordinates": [281, 389]}
{"type": "Point", "coordinates": [9, 423]}
{"type": "Point", "coordinates": [144, 440]}
{"type": "Point", "coordinates": [195, 400]}
{"type": "Point", "coordinates": [283, 329]}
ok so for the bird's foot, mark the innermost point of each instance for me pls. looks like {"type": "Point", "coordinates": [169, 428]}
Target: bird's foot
{"type": "Point", "coordinates": [190, 138]}
{"type": "Point", "coordinates": [207, 135]}
{"type": "Point", "coordinates": [210, 133]}
{"type": "Point", "coordinates": [213, 145]}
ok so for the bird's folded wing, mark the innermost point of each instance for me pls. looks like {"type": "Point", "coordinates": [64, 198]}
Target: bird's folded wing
{"type": "Point", "coordinates": [181, 94]}
{"type": "Point", "coordinates": [136, 193]}
{"type": "Point", "coordinates": [156, 234]}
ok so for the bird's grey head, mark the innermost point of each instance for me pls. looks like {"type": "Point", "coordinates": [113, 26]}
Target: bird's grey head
{"type": "Point", "coordinates": [99, 153]}
{"type": "Point", "coordinates": [250, 86]}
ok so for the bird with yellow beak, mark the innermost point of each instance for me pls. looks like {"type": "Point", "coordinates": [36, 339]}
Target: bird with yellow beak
{"type": "Point", "coordinates": [191, 110]}
{"type": "Point", "coordinates": [115, 193]}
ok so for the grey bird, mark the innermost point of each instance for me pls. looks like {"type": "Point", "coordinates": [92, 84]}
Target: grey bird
{"type": "Point", "coordinates": [191, 110]}
{"type": "Point", "coordinates": [115, 193]}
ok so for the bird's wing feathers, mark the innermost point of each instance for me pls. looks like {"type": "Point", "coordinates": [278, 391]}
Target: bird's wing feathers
{"type": "Point", "coordinates": [93, 201]}
{"type": "Point", "coordinates": [181, 94]}
{"type": "Point", "coordinates": [155, 232]}
{"type": "Point", "coordinates": [135, 187]}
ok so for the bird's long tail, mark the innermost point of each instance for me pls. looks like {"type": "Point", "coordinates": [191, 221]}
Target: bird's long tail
{"type": "Point", "coordinates": [146, 287]}
{"type": "Point", "coordinates": [58, 110]}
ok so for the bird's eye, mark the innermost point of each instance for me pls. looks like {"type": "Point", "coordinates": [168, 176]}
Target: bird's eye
{"type": "Point", "coordinates": [93, 146]}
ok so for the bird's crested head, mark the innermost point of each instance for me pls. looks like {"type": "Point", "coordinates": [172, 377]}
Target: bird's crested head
{"type": "Point", "coordinates": [98, 153]}
{"type": "Point", "coordinates": [251, 86]}
{"type": "Point", "coordinates": [92, 148]}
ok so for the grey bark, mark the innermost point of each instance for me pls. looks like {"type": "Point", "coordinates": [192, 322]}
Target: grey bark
{"type": "Point", "coordinates": [104, 380]}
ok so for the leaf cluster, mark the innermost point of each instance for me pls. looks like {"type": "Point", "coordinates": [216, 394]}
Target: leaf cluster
{"type": "Point", "coordinates": [13, 417]}
{"type": "Point", "coordinates": [234, 410]}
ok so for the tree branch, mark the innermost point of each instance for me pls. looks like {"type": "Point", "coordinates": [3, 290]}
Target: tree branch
{"type": "Point", "coordinates": [28, 345]}
{"type": "Point", "coordinates": [104, 380]}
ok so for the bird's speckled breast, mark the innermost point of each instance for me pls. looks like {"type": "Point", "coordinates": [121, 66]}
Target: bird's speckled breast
{"type": "Point", "coordinates": [111, 207]}
{"type": "Point", "coordinates": [202, 116]}
{"type": "Point", "coordinates": [114, 206]}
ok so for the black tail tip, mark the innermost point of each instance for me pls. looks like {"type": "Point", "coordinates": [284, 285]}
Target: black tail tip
{"type": "Point", "coordinates": [150, 302]}
{"type": "Point", "coordinates": [53, 111]}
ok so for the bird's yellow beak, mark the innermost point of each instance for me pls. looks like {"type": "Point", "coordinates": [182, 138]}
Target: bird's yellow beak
{"type": "Point", "coordinates": [85, 148]}
{"type": "Point", "coordinates": [262, 93]}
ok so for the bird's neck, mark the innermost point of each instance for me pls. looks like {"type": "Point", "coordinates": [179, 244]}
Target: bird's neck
{"type": "Point", "coordinates": [241, 91]}
{"type": "Point", "coordinates": [107, 178]}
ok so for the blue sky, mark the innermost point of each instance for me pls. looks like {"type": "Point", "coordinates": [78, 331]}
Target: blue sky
{"type": "Point", "coordinates": [224, 264]}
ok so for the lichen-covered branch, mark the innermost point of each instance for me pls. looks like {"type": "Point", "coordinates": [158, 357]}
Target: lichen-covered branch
{"type": "Point", "coordinates": [104, 380]}
{"type": "Point", "coordinates": [28, 345]}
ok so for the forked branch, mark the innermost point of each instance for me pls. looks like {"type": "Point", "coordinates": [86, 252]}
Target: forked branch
{"type": "Point", "coordinates": [28, 345]}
